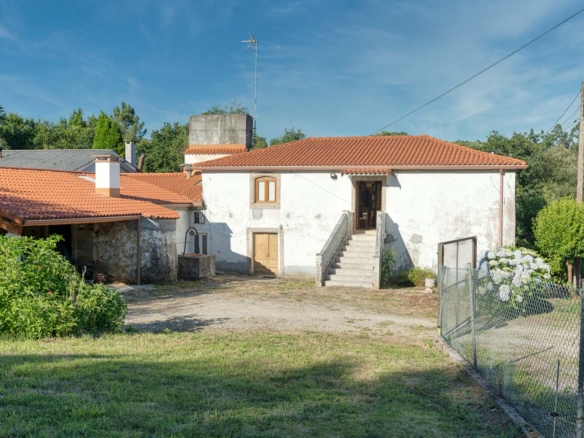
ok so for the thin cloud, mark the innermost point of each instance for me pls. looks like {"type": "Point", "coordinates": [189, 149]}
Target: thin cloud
{"type": "Point", "coordinates": [7, 35]}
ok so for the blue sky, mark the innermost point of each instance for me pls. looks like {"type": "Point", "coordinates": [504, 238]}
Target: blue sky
{"type": "Point", "coordinates": [327, 67]}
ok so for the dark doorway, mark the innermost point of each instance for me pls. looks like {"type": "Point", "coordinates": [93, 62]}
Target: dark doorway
{"type": "Point", "coordinates": [369, 197]}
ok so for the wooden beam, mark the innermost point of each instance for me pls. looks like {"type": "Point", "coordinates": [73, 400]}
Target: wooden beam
{"type": "Point", "coordinates": [10, 226]}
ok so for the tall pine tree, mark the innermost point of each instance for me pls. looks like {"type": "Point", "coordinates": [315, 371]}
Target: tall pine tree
{"type": "Point", "coordinates": [108, 135]}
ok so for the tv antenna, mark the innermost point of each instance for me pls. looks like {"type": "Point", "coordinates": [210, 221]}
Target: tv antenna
{"type": "Point", "coordinates": [253, 45]}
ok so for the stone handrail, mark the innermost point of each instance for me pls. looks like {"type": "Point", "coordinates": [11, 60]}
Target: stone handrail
{"type": "Point", "coordinates": [325, 258]}
{"type": "Point", "coordinates": [379, 245]}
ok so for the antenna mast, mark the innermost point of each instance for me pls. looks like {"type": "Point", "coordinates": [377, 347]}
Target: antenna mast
{"type": "Point", "coordinates": [253, 45]}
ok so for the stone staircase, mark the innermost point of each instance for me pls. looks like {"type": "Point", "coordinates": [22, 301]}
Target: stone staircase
{"type": "Point", "coordinates": [354, 263]}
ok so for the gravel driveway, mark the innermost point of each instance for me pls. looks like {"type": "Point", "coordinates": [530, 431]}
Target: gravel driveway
{"type": "Point", "coordinates": [230, 303]}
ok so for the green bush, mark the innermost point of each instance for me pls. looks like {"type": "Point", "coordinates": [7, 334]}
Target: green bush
{"type": "Point", "coordinates": [42, 295]}
{"type": "Point", "coordinates": [387, 264]}
{"type": "Point", "coordinates": [414, 277]}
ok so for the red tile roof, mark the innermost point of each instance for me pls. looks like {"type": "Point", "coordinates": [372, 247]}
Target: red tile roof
{"type": "Point", "coordinates": [176, 182]}
{"type": "Point", "coordinates": [367, 171]}
{"type": "Point", "coordinates": [33, 194]}
{"type": "Point", "coordinates": [215, 149]}
{"type": "Point", "coordinates": [397, 152]}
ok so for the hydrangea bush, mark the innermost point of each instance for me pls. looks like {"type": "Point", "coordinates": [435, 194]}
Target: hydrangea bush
{"type": "Point", "coordinates": [509, 277]}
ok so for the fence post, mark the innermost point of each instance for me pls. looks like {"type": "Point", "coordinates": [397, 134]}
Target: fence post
{"type": "Point", "coordinates": [472, 316]}
{"type": "Point", "coordinates": [580, 401]}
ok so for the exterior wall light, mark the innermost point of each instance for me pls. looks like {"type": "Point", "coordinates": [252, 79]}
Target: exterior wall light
{"type": "Point", "coordinates": [333, 175]}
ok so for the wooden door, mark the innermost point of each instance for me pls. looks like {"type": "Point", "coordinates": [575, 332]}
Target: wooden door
{"type": "Point", "coordinates": [265, 254]}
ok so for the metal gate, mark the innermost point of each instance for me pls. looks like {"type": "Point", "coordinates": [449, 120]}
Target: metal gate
{"type": "Point", "coordinates": [459, 253]}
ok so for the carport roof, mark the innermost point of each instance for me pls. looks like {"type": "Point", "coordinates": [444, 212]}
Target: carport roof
{"type": "Point", "coordinates": [34, 195]}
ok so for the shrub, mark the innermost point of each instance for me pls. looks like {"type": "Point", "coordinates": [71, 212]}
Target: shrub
{"type": "Point", "coordinates": [559, 233]}
{"type": "Point", "coordinates": [387, 263]}
{"type": "Point", "coordinates": [414, 277]}
{"type": "Point", "coordinates": [41, 293]}
{"type": "Point", "coordinates": [508, 277]}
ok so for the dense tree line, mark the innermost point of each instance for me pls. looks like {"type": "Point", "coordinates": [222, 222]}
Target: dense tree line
{"type": "Point", "coordinates": [552, 157]}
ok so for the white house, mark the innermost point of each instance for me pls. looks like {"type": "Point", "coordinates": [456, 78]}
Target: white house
{"type": "Point", "coordinates": [327, 206]}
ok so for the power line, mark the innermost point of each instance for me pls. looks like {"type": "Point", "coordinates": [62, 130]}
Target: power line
{"type": "Point", "coordinates": [570, 116]}
{"type": "Point", "coordinates": [559, 118]}
{"type": "Point", "coordinates": [479, 73]}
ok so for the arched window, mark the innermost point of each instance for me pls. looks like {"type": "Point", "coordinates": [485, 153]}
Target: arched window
{"type": "Point", "coordinates": [266, 190]}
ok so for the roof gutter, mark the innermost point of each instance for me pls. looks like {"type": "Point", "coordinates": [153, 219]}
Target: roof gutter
{"type": "Point", "coordinates": [340, 168]}
{"type": "Point", "coordinates": [79, 220]}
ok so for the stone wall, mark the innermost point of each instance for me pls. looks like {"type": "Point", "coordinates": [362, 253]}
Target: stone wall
{"type": "Point", "coordinates": [111, 249]}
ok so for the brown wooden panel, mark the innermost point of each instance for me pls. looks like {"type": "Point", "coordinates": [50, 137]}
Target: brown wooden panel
{"type": "Point", "coordinates": [265, 253]}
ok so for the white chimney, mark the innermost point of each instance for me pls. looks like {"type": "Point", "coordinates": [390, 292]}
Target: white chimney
{"type": "Point", "coordinates": [130, 154]}
{"type": "Point", "coordinates": [107, 175]}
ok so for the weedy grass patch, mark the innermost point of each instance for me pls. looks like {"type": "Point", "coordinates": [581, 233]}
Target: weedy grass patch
{"type": "Point", "coordinates": [237, 384]}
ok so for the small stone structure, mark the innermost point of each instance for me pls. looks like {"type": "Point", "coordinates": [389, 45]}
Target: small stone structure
{"type": "Point", "coordinates": [195, 266]}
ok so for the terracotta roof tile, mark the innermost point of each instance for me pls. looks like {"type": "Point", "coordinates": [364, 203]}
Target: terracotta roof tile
{"type": "Point", "coordinates": [176, 182]}
{"type": "Point", "coordinates": [403, 151]}
{"type": "Point", "coordinates": [215, 149]}
{"type": "Point", "coordinates": [367, 171]}
{"type": "Point", "coordinates": [27, 194]}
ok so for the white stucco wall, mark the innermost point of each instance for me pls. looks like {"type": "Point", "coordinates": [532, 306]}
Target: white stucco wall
{"type": "Point", "coordinates": [311, 205]}
{"type": "Point", "coordinates": [185, 221]}
{"type": "Point", "coordinates": [424, 208]}
{"type": "Point", "coordinates": [198, 158]}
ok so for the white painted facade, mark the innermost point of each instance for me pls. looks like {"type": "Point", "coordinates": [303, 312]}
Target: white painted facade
{"type": "Point", "coordinates": [187, 220]}
{"type": "Point", "coordinates": [423, 209]}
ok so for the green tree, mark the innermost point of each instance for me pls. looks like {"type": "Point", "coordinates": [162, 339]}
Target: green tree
{"type": "Point", "coordinates": [260, 143]}
{"type": "Point", "coordinates": [289, 135]}
{"type": "Point", "coordinates": [129, 122]}
{"type": "Point", "coordinates": [17, 132]}
{"type": "Point", "coordinates": [164, 151]}
{"type": "Point", "coordinates": [559, 233]}
{"type": "Point", "coordinates": [76, 119]}
{"type": "Point", "coordinates": [108, 135]}
{"type": "Point", "coordinates": [388, 133]}
{"type": "Point", "coordinates": [233, 108]}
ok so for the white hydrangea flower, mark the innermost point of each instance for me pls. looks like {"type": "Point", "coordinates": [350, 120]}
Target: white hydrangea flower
{"type": "Point", "coordinates": [489, 286]}
{"type": "Point", "coordinates": [537, 280]}
{"type": "Point", "coordinates": [518, 299]}
{"type": "Point", "coordinates": [545, 267]}
{"type": "Point", "coordinates": [539, 260]}
{"type": "Point", "coordinates": [516, 280]}
{"type": "Point", "coordinates": [525, 278]}
{"type": "Point", "coordinates": [491, 255]}
{"type": "Point", "coordinates": [519, 269]}
{"type": "Point", "coordinates": [493, 263]}
{"type": "Point", "coordinates": [496, 276]}
{"type": "Point", "coordinates": [512, 262]}
{"type": "Point", "coordinates": [504, 260]}
{"type": "Point", "coordinates": [501, 253]}
{"type": "Point", "coordinates": [517, 254]}
{"type": "Point", "coordinates": [527, 259]}
{"type": "Point", "coordinates": [508, 253]}
{"type": "Point", "coordinates": [547, 276]}
{"type": "Point", "coordinates": [504, 293]}
{"type": "Point", "coordinates": [482, 290]}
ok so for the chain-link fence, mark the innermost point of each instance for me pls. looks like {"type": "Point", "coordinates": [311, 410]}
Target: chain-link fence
{"type": "Point", "coordinates": [523, 337]}
{"type": "Point", "coordinates": [459, 253]}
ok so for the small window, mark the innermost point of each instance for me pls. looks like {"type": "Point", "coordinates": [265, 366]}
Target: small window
{"type": "Point", "coordinates": [265, 190]}
{"type": "Point", "coordinates": [199, 217]}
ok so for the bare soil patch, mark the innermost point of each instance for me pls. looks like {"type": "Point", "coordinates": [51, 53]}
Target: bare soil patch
{"type": "Point", "coordinates": [231, 303]}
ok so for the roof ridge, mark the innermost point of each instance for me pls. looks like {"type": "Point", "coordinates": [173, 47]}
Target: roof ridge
{"type": "Point", "coordinates": [474, 151]}
{"type": "Point", "coordinates": [35, 169]}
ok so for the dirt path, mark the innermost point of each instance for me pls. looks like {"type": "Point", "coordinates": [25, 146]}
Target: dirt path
{"type": "Point", "coordinates": [239, 304]}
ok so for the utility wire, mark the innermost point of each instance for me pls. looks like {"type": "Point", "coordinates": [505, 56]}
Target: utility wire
{"type": "Point", "coordinates": [559, 118]}
{"type": "Point", "coordinates": [566, 121]}
{"type": "Point", "coordinates": [479, 73]}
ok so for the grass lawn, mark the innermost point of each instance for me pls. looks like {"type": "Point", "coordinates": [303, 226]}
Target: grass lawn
{"type": "Point", "coordinates": [238, 384]}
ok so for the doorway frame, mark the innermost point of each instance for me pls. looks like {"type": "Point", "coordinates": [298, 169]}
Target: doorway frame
{"type": "Point", "coordinates": [355, 194]}
{"type": "Point", "coordinates": [250, 247]}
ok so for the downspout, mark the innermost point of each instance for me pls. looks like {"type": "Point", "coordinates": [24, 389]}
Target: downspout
{"type": "Point", "coordinates": [138, 253]}
{"type": "Point", "coordinates": [501, 174]}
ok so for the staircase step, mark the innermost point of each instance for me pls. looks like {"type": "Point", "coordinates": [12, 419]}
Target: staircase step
{"type": "Point", "coordinates": [363, 237]}
{"type": "Point", "coordinates": [360, 243]}
{"type": "Point", "coordinates": [354, 272]}
{"type": "Point", "coordinates": [368, 285]}
{"type": "Point", "coordinates": [352, 264]}
{"type": "Point", "coordinates": [365, 254]}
